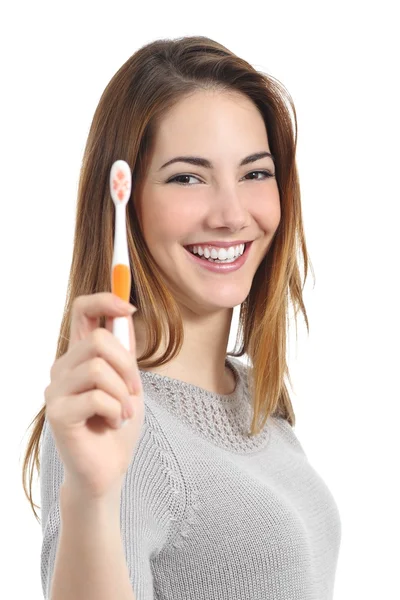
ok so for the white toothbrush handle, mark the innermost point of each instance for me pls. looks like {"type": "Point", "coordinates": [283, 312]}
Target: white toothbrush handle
{"type": "Point", "coordinates": [121, 330]}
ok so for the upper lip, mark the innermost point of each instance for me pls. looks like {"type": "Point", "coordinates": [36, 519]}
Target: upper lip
{"type": "Point", "coordinates": [220, 244]}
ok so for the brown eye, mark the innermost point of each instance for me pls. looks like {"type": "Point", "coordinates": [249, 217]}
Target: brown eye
{"type": "Point", "coordinates": [180, 177]}
{"type": "Point", "coordinates": [266, 173]}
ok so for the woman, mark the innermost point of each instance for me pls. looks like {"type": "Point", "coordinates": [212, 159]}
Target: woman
{"type": "Point", "coordinates": [207, 493]}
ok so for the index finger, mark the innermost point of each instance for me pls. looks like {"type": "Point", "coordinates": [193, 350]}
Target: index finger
{"type": "Point", "coordinates": [88, 309]}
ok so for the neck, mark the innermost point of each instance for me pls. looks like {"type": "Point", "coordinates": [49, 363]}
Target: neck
{"type": "Point", "coordinates": [201, 359]}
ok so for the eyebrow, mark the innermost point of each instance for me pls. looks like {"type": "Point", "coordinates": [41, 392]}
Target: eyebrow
{"type": "Point", "coordinates": [203, 162]}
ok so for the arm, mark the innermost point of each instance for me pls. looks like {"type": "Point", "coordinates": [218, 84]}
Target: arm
{"type": "Point", "coordinates": [90, 561]}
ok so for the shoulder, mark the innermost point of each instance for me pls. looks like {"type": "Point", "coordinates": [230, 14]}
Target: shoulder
{"type": "Point", "coordinates": [288, 434]}
{"type": "Point", "coordinates": [242, 367]}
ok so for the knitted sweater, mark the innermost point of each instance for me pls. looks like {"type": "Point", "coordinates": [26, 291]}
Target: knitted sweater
{"type": "Point", "coordinates": [207, 512]}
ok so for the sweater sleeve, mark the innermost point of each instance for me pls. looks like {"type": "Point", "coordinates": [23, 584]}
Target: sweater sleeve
{"type": "Point", "coordinates": [147, 525]}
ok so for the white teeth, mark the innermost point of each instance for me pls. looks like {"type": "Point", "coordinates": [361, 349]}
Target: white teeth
{"type": "Point", "coordinates": [221, 254]}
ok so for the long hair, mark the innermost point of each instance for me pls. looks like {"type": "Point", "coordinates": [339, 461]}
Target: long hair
{"type": "Point", "coordinates": [141, 92]}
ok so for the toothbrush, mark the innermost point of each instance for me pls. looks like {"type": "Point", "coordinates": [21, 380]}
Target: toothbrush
{"type": "Point", "coordinates": [120, 188]}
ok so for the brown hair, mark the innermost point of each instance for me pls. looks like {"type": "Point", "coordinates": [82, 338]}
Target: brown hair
{"type": "Point", "coordinates": [151, 82]}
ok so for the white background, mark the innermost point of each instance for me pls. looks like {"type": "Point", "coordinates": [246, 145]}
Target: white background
{"type": "Point", "coordinates": [338, 62]}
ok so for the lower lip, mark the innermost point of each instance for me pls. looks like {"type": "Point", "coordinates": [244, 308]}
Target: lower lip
{"type": "Point", "coordinates": [221, 267]}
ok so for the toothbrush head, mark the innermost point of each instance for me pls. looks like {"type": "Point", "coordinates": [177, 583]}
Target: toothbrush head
{"type": "Point", "coordinates": [120, 183]}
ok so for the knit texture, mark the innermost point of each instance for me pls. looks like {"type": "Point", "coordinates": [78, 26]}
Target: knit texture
{"type": "Point", "coordinates": [208, 512]}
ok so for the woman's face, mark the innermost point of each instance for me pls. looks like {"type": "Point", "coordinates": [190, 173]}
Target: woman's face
{"type": "Point", "coordinates": [226, 202]}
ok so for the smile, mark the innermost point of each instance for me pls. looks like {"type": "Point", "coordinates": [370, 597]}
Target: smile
{"type": "Point", "coordinates": [225, 266]}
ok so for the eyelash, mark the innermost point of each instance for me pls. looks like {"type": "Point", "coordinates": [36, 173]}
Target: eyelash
{"type": "Point", "coordinates": [267, 174]}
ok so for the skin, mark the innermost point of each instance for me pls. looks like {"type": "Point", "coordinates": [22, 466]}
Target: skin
{"type": "Point", "coordinates": [224, 203]}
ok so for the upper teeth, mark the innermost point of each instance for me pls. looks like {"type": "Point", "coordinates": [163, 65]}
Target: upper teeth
{"type": "Point", "coordinates": [220, 253]}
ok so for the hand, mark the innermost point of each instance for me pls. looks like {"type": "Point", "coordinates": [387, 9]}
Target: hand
{"type": "Point", "coordinates": [87, 395]}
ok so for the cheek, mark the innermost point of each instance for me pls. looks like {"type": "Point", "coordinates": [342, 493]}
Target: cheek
{"type": "Point", "coordinates": [167, 220]}
{"type": "Point", "coordinates": [267, 211]}
{"type": "Point", "coordinates": [276, 214]}
{"type": "Point", "coordinates": [180, 214]}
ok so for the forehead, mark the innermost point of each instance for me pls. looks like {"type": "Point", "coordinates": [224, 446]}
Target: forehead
{"type": "Point", "coordinates": [222, 119]}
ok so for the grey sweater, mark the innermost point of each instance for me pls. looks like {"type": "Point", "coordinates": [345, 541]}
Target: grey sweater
{"type": "Point", "coordinates": [207, 512]}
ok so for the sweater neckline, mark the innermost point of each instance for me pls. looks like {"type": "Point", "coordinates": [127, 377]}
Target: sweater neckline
{"type": "Point", "coordinates": [204, 393]}
{"type": "Point", "coordinates": [222, 419]}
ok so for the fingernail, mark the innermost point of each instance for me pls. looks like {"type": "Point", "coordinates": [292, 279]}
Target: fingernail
{"type": "Point", "coordinates": [121, 304]}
